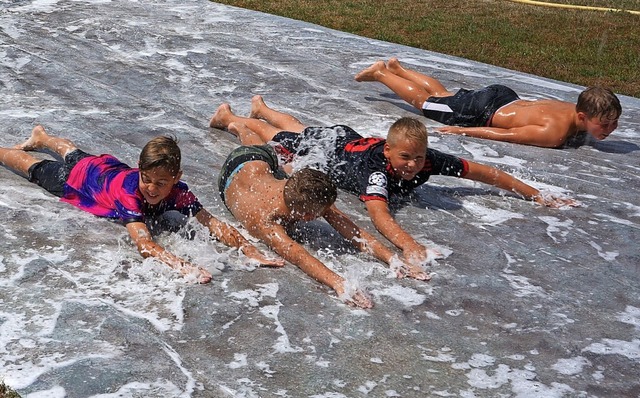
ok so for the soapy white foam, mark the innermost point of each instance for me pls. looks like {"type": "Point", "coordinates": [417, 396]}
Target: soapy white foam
{"type": "Point", "coordinates": [54, 392]}
{"type": "Point", "coordinates": [617, 220]}
{"type": "Point", "coordinates": [609, 256]}
{"type": "Point", "coordinates": [282, 345]}
{"type": "Point", "coordinates": [21, 375]}
{"type": "Point", "coordinates": [485, 154]}
{"type": "Point", "coordinates": [239, 361]}
{"type": "Point", "coordinates": [367, 387]}
{"type": "Point", "coordinates": [442, 356]}
{"type": "Point", "coordinates": [405, 295]}
{"type": "Point", "coordinates": [484, 216]}
{"type": "Point", "coordinates": [539, 83]}
{"type": "Point", "coordinates": [571, 366]}
{"type": "Point", "coordinates": [628, 349]}
{"type": "Point", "coordinates": [13, 63]}
{"type": "Point", "coordinates": [631, 316]}
{"type": "Point", "coordinates": [523, 287]}
{"type": "Point", "coordinates": [10, 29]}
{"type": "Point", "coordinates": [557, 227]}
{"type": "Point", "coordinates": [522, 382]}
{"type": "Point", "coordinates": [37, 6]}
{"type": "Point", "coordinates": [329, 395]}
{"type": "Point", "coordinates": [158, 388]}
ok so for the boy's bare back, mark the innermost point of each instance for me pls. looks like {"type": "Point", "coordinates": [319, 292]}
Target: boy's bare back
{"type": "Point", "coordinates": [253, 197]}
{"type": "Point", "coordinates": [556, 116]}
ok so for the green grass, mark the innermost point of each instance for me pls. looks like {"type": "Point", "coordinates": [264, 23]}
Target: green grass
{"type": "Point", "coordinates": [6, 392]}
{"type": "Point", "coordinates": [577, 46]}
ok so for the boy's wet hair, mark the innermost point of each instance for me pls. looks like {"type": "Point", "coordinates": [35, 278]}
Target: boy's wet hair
{"type": "Point", "coordinates": [162, 151]}
{"type": "Point", "coordinates": [407, 128]}
{"type": "Point", "coordinates": [309, 191]}
{"type": "Point", "coordinates": [599, 102]}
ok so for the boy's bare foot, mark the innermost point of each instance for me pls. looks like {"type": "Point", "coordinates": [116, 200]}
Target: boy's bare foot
{"type": "Point", "coordinates": [394, 65]}
{"type": "Point", "coordinates": [257, 103]}
{"type": "Point", "coordinates": [35, 141]}
{"type": "Point", "coordinates": [369, 74]}
{"type": "Point", "coordinates": [219, 118]}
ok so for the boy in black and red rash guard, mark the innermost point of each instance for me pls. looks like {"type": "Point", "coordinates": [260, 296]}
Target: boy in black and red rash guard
{"type": "Point", "coordinates": [372, 168]}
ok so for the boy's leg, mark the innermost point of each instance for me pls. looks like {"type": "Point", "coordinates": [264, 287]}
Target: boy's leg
{"type": "Point", "coordinates": [223, 117]}
{"type": "Point", "coordinates": [17, 160]}
{"type": "Point", "coordinates": [431, 85]}
{"type": "Point", "coordinates": [409, 91]}
{"type": "Point", "coordinates": [41, 140]}
{"type": "Point", "coordinates": [244, 134]}
{"type": "Point", "coordinates": [281, 120]}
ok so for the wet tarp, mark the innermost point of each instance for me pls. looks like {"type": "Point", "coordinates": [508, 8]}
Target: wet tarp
{"type": "Point", "coordinates": [528, 302]}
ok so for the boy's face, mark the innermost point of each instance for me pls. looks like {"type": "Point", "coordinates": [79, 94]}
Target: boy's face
{"type": "Point", "coordinates": [600, 127]}
{"type": "Point", "coordinates": [308, 214]}
{"type": "Point", "coordinates": [155, 184]}
{"type": "Point", "coordinates": [406, 157]}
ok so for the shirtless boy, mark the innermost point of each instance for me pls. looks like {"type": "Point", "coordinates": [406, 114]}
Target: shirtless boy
{"type": "Point", "coordinates": [106, 187]}
{"type": "Point", "coordinates": [496, 112]}
{"type": "Point", "coordinates": [372, 168]}
{"type": "Point", "coordinates": [259, 194]}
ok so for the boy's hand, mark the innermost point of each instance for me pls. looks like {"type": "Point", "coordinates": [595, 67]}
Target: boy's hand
{"type": "Point", "coordinates": [353, 296]}
{"type": "Point", "coordinates": [405, 269]}
{"type": "Point", "coordinates": [252, 252]}
{"type": "Point", "coordinates": [360, 300]}
{"type": "Point", "coordinates": [418, 254]}
{"type": "Point", "coordinates": [201, 274]}
{"type": "Point", "coordinates": [413, 271]}
{"type": "Point", "coordinates": [555, 202]}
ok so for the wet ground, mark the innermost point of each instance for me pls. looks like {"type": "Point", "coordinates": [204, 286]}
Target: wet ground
{"type": "Point", "coordinates": [529, 301]}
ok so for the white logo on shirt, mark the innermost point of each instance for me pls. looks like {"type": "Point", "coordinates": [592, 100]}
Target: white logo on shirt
{"type": "Point", "coordinates": [377, 184]}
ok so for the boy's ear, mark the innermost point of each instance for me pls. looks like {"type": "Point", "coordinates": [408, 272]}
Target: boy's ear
{"type": "Point", "coordinates": [178, 176]}
{"type": "Point", "coordinates": [582, 116]}
{"type": "Point", "coordinates": [386, 149]}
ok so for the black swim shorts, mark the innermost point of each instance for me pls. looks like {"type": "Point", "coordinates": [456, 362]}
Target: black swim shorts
{"type": "Point", "coordinates": [53, 174]}
{"type": "Point", "coordinates": [241, 155]}
{"type": "Point", "coordinates": [469, 108]}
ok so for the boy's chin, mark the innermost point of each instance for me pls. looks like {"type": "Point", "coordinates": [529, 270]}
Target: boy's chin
{"type": "Point", "coordinates": [408, 177]}
{"type": "Point", "coordinates": [152, 201]}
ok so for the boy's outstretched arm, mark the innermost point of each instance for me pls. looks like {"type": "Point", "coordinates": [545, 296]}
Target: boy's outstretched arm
{"type": "Point", "coordinates": [148, 248]}
{"type": "Point", "coordinates": [230, 236]}
{"type": "Point", "coordinates": [385, 224]}
{"type": "Point", "coordinates": [276, 237]}
{"type": "Point", "coordinates": [536, 135]}
{"type": "Point", "coordinates": [369, 244]}
{"type": "Point", "coordinates": [498, 178]}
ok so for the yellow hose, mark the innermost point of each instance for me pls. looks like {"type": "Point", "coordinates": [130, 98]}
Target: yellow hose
{"type": "Point", "coordinates": [576, 7]}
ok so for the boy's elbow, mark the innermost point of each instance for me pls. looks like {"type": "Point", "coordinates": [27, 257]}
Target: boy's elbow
{"type": "Point", "coordinates": [550, 141]}
{"type": "Point", "coordinates": [553, 144]}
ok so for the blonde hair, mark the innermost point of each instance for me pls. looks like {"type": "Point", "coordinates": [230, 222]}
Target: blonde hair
{"type": "Point", "coordinates": [161, 151]}
{"type": "Point", "coordinates": [407, 128]}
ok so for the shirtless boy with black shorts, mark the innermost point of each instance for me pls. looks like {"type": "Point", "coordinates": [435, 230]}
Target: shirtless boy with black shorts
{"type": "Point", "coordinates": [496, 112]}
